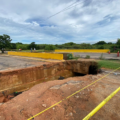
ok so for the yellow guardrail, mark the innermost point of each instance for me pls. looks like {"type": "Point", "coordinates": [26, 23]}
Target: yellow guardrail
{"type": "Point", "coordinates": [101, 104]}
{"type": "Point", "coordinates": [70, 95]}
{"type": "Point", "coordinates": [39, 55]}
{"type": "Point", "coordinates": [85, 50]}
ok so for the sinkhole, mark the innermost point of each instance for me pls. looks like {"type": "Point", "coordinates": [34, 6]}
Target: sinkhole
{"type": "Point", "coordinates": [12, 82]}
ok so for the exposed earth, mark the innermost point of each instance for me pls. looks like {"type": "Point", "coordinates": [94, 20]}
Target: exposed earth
{"type": "Point", "coordinates": [43, 95]}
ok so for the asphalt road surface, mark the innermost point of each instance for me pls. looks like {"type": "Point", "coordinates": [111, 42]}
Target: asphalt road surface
{"type": "Point", "coordinates": [10, 62]}
{"type": "Point", "coordinates": [97, 55]}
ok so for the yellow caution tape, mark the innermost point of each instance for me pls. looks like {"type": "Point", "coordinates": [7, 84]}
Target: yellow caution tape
{"type": "Point", "coordinates": [71, 95]}
{"type": "Point", "coordinates": [101, 104]}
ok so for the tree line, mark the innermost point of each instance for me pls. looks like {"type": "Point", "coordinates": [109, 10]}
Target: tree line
{"type": "Point", "coordinates": [5, 43]}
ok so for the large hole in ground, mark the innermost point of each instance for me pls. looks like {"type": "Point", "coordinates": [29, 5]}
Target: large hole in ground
{"type": "Point", "coordinates": [61, 75]}
{"type": "Point", "coordinates": [75, 75]}
{"type": "Point", "coordinates": [78, 74]}
{"type": "Point", "coordinates": [93, 69]}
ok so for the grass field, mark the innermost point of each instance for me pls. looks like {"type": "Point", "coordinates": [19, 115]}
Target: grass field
{"type": "Point", "coordinates": [111, 64]}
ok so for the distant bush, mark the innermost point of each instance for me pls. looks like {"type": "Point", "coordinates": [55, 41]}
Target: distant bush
{"type": "Point", "coordinates": [114, 48]}
{"type": "Point", "coordinates": [70, 56]}
{"type": "Point", "coordinates": [77, 57]}
{"type": "Point", "coordinates": [22, 46]}
{"type": "Point", "coordinates": [87, 57]}
{"type": "Point", "coordinates": [50, 47]}
{"type": "Point", "coordinates": [100, 43]}
{"type": "Point", "coordinates": [101, 47]}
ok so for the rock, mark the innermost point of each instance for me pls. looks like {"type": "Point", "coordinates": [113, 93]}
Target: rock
{"type": "Point", "coordinates": [93, 77]}
{"type": "Point", "coordinates": [77, 96]}
{"type": "Point", "coordinates": [71, 114]}
{"type": "Point", "coordinates": [64, 85]}
{"type": "Point", "coordinates": [2, 118]}
{"type": "Point", "coordinates": [44, 105]}
{"type": "Point", "coordinates": [71, 82]}
{"type": "Point", "coordinates": [1, 103]}
{"type": "Point", "coordinates": [115, 73]}
{"type": "Point", "coordinates": [55, 87]}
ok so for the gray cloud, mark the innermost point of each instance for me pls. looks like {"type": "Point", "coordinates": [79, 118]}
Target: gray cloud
{"type": "Point", "coordinates": [89, 20]}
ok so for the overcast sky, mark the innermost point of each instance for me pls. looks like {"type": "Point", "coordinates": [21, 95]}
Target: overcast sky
{"type": "Point", "coordinates": [87, 21]}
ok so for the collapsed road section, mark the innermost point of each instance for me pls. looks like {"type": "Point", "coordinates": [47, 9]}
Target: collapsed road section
{"type": "Point", "coordinates": [44, 95]}
{"type": "Point", "coordinates": [23, 79]}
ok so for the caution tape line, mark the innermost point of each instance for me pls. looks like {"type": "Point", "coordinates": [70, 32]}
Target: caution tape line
{"type": "Point", "coordinates": [71, 95]}
{"type": "Point", "coordinates": [101, 104]}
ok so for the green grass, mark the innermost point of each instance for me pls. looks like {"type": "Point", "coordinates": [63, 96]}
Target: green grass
{"type": "Point", "coordinates": [111, 64]}
{"type": "Point", "coordinates": [87, 57]}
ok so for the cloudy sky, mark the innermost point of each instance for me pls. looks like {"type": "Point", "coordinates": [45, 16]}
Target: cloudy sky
{"type": "Point", "coordinates": [84, 21]}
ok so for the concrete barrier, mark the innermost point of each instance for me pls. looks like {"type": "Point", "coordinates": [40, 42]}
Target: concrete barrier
{"type": "Point", "coordinates": [39, 55]}
{"type": "Point", "coordinates": [85, 50]}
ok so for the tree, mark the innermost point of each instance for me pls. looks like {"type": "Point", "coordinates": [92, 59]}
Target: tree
{"type": "Point", "coordinates": [85, 46]}
{"type": "Point", "coordinates": [114, 48]}
{"type": "Point", "coordinates": [47, 47]}
{"type": "Point", "coordinates": [71, 43]}
{"type": "Point", "coordinates": [50, 47]}
{"type": "Point", "coordinates": [32, 45]}
{"type": "Point", "coordinates": [109, 42]}
{"type": "Point", "coordinates": [101, 47]}
{"type": "Point", "coordinates": [18, 43]}
{"type": "Point", "coordinates": [41, 46]}
{"type": "Point", "coordinates": [76, 46]}
{"type": "Point", "coordinates": [100, 43]}
{"type": "Point", "coordinates": [4, 42]}
{"type": "Point", "coordinates": [13, 46]}
{"type": "Point", "coordinates": [22, 46]}
{"type": "Point", "coordinates": [118, 42]}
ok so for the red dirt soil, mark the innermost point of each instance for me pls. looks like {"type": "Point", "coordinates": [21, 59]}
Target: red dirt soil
{"type": "Point", "coordinates": [44, 95]}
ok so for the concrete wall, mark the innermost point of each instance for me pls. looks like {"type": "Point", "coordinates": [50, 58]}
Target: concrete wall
{"type": "Point", "coordinates": [22, 79]}
{"type": "Point", "coordinates": [39, 55]}
{"type": "Point", "coordinates": [85, 50]}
